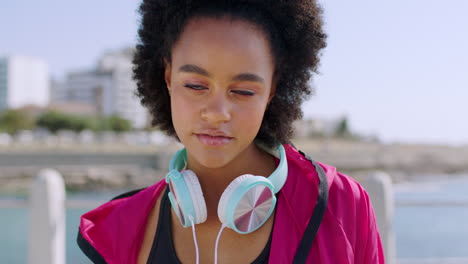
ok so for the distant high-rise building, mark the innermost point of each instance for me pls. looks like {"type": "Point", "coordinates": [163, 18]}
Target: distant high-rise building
{"type": "Point", "coordinates": [58, 91]}
{"type": "Point", "coordinates": [124, 101]}
{"type": "Point", "coordinates": [89, 87]}
{"type": "Point", "coordinates": [23, 81]}
{"type": "Point", "coordinates": [109, 88]}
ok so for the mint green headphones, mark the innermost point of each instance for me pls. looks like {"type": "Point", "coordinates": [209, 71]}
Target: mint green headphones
{"type": "Point", "coordinates": [245, 205]}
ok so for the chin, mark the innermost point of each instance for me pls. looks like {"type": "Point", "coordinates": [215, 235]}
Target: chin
{"type": "Point", "coordinates": [213, 160]}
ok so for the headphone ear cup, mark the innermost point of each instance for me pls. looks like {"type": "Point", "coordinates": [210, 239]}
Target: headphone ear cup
{"type": "Point", "coordinates": [196, 193]}
{"type": "Point", "coordinates": [227, 194]}
{"type": "Point", "coordinates": [247, 203]}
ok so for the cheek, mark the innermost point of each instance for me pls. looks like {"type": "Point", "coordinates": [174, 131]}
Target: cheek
{"type": "Point", "coordinates": [250, 118]}
{"type": "Point", "coordinates": [182, 113]}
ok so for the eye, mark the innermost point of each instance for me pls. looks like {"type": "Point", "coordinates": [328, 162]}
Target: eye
{"type": "Point", "coordinates": [195, 86]}
{"type": "Point", "coordinates": [242, 92]}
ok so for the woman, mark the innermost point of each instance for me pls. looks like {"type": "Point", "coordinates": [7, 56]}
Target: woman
{"type": "Point", "coordinates": [227, 80]}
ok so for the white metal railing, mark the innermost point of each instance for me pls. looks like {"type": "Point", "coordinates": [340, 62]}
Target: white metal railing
{"type": "Point", "coordinates": [46, 242]}
{"type": "Point", "coordinates": [47, 205]}
{"type": "Point", "coordinates": [379, 187]}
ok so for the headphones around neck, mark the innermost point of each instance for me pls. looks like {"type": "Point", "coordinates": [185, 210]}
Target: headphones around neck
{"type": "Point", "coordinates": [245, 205]}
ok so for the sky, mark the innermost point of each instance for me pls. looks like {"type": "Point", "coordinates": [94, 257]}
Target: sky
{"type": "Point", "coordinates": [396, 69]}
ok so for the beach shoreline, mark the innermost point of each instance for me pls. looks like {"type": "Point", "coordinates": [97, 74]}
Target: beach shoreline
{"type": "Point", "coordinates": [116, 166]}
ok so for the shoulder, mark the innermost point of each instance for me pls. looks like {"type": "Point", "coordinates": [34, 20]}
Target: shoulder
{"type": "Point", "coordinates": [350, 207]}
{"type": "Point", "coordinates": [108, 229]}
{"type": "Point", "coordinates": [349, 217]}
{"type": "Point", "coordinates": [342, 189]}
{"type": "Point", "coordinates": [348, 202]}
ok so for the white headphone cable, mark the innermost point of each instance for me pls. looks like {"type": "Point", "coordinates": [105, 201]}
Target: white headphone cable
{"type": "Point", "coordinates": [194, 238]}
{"type": "Point", "coordinates": [217, 242]}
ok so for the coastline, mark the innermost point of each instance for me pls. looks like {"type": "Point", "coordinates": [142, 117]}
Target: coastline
{"type": "Point", "coordinates": [117, 166]}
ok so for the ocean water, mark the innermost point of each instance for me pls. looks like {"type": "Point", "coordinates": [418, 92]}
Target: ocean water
{"type": "Point", "coordinates": [421, 231]}
{"type": "Point", "coordinates": [432, 231]}
{"type": "Point", "coordinates": [13, 237]}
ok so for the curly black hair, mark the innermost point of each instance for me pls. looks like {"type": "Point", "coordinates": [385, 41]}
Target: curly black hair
{"type": "Point", "coordinates": [295, 31]}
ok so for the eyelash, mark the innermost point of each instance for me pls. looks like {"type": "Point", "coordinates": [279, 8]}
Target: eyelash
{"type": "Point", "coordinates": [239, 92]}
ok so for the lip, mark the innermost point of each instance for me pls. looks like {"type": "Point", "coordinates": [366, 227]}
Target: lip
{"type": "Point", "coordinates": [213, 141]}
{"type": "Point", "coordinates": [214, 133]}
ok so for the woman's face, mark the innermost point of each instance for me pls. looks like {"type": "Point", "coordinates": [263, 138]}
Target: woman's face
{"type": "Point", "coordinates": [220, 80]}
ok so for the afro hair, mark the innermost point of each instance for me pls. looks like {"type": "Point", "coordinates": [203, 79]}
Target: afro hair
{"type": "Point", "coordinates": [295, 31]}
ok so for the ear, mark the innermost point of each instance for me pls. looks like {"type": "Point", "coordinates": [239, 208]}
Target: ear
{"type": "Point", "coordinates": [167, 75]}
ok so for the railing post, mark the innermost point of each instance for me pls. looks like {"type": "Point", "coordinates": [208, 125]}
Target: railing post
{"type": "Point", "coordinates": [47, 219]}
{"type": "Point", "coordinates": [379, 187]}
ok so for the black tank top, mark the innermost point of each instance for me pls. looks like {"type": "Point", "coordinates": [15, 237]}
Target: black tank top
{"type": "Point", "coordinates": [162, 250]}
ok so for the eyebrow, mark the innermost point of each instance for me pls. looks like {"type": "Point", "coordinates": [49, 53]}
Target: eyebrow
{"type": "Point", "coordinates": [250, 77]}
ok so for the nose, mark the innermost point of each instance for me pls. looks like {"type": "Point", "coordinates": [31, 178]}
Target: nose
{"type": "Point", "coordinates": [216, 109]}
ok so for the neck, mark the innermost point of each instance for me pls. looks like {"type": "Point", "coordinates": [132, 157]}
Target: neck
{"type": "Point", "coordinates": [214, 181]}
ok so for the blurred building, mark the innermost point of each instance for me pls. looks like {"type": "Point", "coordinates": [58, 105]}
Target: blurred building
{"type": "Point", "coordinates": [109, 88]}
{"type": "Point", "coordinates": [58, 91]}
{"type": "Point", "coordinates": [23, 81]}
{"type": "Point", "coordinates": [93, 88]}
{"type": "Point", "coordinates": [306, 128]}
{"type": "Point", "coordinates": [122, 99]}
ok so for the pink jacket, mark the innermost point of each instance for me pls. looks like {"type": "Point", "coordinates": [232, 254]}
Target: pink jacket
{"type": "Point", "coordinates": [113, 232]}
